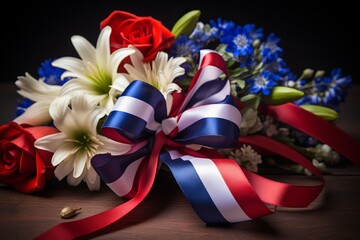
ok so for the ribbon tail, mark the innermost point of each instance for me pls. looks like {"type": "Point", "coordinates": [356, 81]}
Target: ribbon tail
{"type": "Point", "coordinates": [217, 189]}
{"type": "Point", "coordinates": [318, 128]}
{"type": "Point", "coordinates": [88, 227]}
{"type": "Point", "coordinates": [278, 193]}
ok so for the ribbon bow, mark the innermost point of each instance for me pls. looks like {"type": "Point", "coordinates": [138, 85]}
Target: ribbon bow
{"type": "Point", "coordinates": [218, 189]}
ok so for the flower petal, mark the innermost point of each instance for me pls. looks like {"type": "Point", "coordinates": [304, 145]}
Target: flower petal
{"type": "Point", "coordinates": [62, 153]}
{"type": "Point", "coordinates": [84, 48]}
{"type": "Point", "coordinates": [36, 90]}
{"type": "Point", "coordinates": [51, 142]}
{"type": "Point", "coordinates": [35, 115]}
{"type": "Point", "coordinates": [103, 48]}
{"type": "Point", "coordinates": [92, 180]}
{"type": "Point", "coordinates": [112, 147]}
{"type": "Point", "coordinates": [71, 64]}
{"type": "Point", "coordinates": [118, 56]}
{"type": "Point", "coordinates": [120, 83]}
{"type": "Point", "coordinates": [72, 181]}
{"type": "Point", "coordinates": [79, 163]}
{"type": "Point", "coordinates": [64, 168]}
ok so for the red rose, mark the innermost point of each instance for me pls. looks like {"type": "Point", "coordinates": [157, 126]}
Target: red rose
{"type": "Point", "coordinates": [145, 33]}
{"type": "Point", "coordinates": [23, 166]}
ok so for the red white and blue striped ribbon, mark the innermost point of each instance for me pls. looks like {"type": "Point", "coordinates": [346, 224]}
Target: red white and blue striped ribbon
{"type": "Point", "coordinates": [217, 188]}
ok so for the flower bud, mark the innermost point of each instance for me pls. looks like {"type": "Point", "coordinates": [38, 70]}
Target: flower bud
{"type": "Point", "coordinates": [319, 74]}
{"type": "Point", "coordinates": [280, 95]}
{"type": "Point", "coordinates": [321, 111]}
{"type": "Point", "coordinates": [307, 73]}
{"type": "Point", "coordinates": [186, 24]}
{"type": "Point", "coordinates": [256, 43]}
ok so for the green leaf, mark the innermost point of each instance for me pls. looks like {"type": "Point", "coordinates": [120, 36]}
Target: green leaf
{"type": "Point", "coordinates": [186, 24]}
{"type": "Point", "coordinates": [251, 100]}
{"type": "Point", "coordinates": [280, 95]}
{"type": "Point", "coordinates": [321, 111]}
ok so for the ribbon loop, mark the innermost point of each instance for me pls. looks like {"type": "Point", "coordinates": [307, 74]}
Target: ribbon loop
{"type": "Point", "coordinates": [137, 114]}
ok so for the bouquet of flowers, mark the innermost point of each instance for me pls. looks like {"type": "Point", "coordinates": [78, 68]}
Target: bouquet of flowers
{"type": "Point", "coordinates": [211, 101]}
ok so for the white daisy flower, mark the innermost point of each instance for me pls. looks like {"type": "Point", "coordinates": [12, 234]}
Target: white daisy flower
{"type": "Point", "coordinates": [78, 141]}
{"type": "Point", "coordinates": [41, 94]}
{"type": "Point", "coordinates": [160, 73]}
{"type": "Point", "coordinates": [96, 73]}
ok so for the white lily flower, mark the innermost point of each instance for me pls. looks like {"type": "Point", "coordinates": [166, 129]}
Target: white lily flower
{"type": "Point", "coordinates": [41, 94]}
{"type": "Point", "coordinates": [96, 73]}
{"type": "Point", "coordinates": [78, 141]}
{"type": "Point", "coordinates": [160, 73]}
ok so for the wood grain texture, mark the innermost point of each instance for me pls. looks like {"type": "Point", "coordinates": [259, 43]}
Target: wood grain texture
{"type": "Point", "coordinates": [165, 214]}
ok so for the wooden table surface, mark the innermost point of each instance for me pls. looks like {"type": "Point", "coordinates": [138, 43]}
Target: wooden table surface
{"type": "Point", "coordinates": [165, 213]}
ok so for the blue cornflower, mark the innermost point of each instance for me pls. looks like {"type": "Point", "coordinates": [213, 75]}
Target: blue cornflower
{"type": "Point", "coordinates": [263, 82]}
{"type": "Point", "coordinates": [270, 51]}
{"type": "Point", "coordinates": [239, 43]}
{"type": "Point", "coordinates": [253, 32]}
{"type": "Point", "coordinates": [51, 74]}
{"type": "Point", "coordinates": [313, 98]}
{"type": "Point", "coordinates": [278, 67]}
{"type": "Point", "coordinates": [328, 91]}
{"type": "Point", "coordinates": [204, 33]}
{"type": "Point", "coordinates": [222, 26]}
{"type": "Point", "coordinates": [185, 47]}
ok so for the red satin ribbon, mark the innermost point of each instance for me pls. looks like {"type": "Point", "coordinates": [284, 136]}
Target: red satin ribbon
{"type": "Point", "coordinates": [278, 193]}
{"type": "Point", "coordinates": [316, 127]}
{"type": "Point", "coordinates": [259, 189]}
{"type": "Point", "coordinates": [90, 225]}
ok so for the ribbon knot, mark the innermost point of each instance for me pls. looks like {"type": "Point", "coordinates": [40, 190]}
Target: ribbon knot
{"type": "Point", "coordinates": [170, 127]}
{"type": "Point", "coordinates": [207, 116]}
{"type": "Point", "coordinates": [217, 188]}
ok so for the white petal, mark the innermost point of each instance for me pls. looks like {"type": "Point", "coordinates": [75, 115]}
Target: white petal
{"type": "Point", "coordinates": [80, 104]}
{"type": "Point", "coordinates": [36, 90]}
{"type": "Point", "coordinates": [169, 101]}
{"type": "Point", "coordinates": [92, 180]}
{"type": "Point", "coordinates": [63, 169]}
{"type": "Point", "coordinates": [62, 153]}
{"type": "Point", "coordinates": [137, 58]}
{"type": "Point", "coordinates": [72, 181]}
{"type": "Point", "coordinates": [108, 104]}
{"type": "Point", "coordinates": [172, 87]}
{"type": "Point", "coordinates": [85, 49]}
{"type": "Point", "coordinates": [93, 117]}
{"type": "Point", "coordinates": [91, 175]}
{"type": "Point", "coordinates": [76, 86]}
{"type": "Point", "coordinates": [51, 142]}
{"type": "Point", "coordinates": [103, 48]}
{"type": "Point", "coordinates": [120, 83]}
{"type": "Point", "coordinates": [136, 74]}
{"type": "Point", "coordinates": [59, 106]}
{"type": "Point", "coordinates": [70, 64]}
{"type": "Point", "coordinates": [79, 163]}
{"type": "Point", "coordinates": [35, 115]}
{"type": "Point", "coordinates": [111, 146]}
{"type": "Point", "coordinates": [118, 56]}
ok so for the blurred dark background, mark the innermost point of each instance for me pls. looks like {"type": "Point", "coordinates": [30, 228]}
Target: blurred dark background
{"type": "Point", "coordinates": [319, 36]}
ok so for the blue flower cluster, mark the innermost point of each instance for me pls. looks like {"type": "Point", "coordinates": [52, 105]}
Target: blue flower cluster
{"type": "Point", "coordinates": [257, 61]}
{"type": "Point", "coordinates": [252, 59]}
{"type": "Point", "coordinates": [328, 91]}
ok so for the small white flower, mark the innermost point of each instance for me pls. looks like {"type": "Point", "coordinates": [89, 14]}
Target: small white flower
{"type": "Point", "coordinates": [41, 94]}
{"type": "Point", "coordinates": [96, 73]}
{"type": "Point", "coordinates": [245, 156]}
{"type": "Point", "coordinates": [319, 165]}
{"type": "Point", "coordinates": [159, 73]}
{"type": "Point", "coordinates": [77, 142]}
{"type": "Point", "coordinates": [250, 122]}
